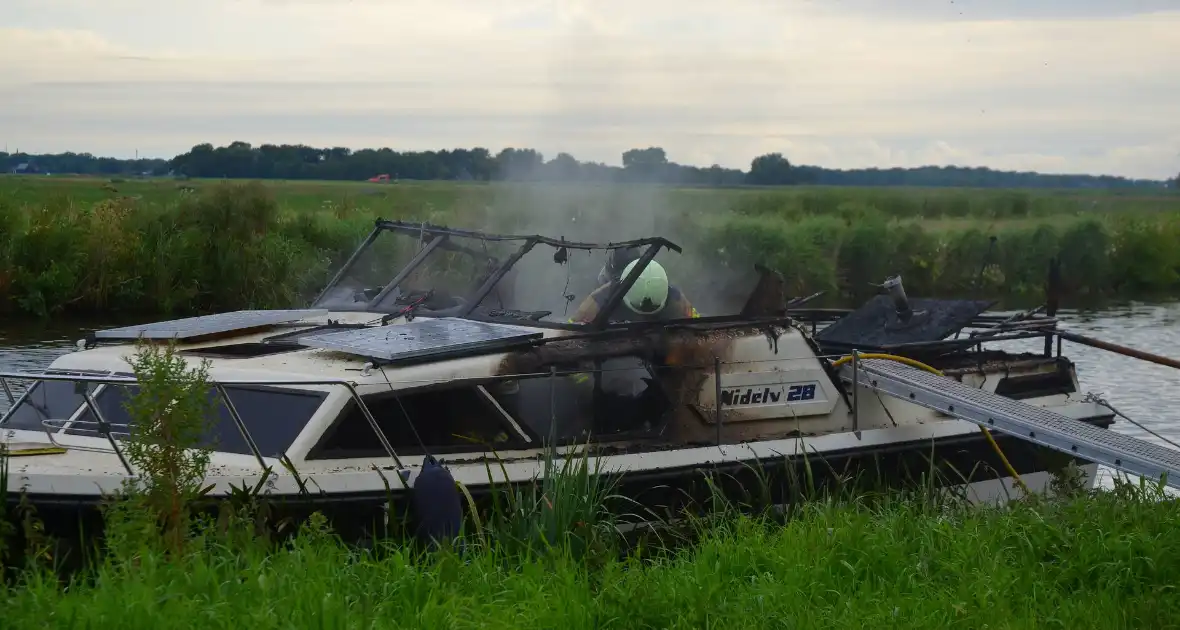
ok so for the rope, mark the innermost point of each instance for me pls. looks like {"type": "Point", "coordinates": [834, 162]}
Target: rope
{"type": "Point", "coordinates": [922, 366]}
{"type": "Point", "coordinates": [1097, 398]}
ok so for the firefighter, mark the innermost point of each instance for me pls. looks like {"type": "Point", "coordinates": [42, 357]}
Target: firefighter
{"type": "Point", "coordinates": [621, 389]}
{"type": "Point", "coordinates": [650, 298]}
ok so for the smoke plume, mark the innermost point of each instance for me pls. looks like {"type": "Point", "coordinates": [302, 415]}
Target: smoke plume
{"type": "Point", "coordinates": [604, 213]}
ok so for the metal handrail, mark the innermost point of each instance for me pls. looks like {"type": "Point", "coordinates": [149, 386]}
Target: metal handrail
{"type": "Point", "coordinates": [414, 228]}
{"type": "Point", "coordinates": [84, 425]}
{"type": "Point", "coordinates": [219, 384]}
{"type": "Point", "coordinates": [491, 378]}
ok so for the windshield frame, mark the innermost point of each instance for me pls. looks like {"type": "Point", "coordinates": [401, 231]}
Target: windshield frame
{"type": "Point", "coordinates": [435, 237]}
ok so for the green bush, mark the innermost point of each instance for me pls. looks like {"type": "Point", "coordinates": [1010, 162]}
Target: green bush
{"type": "Point", "coordinates": [71, 246]}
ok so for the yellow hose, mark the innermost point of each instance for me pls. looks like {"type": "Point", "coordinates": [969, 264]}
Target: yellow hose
{"type": "Point", "coordinates": [922, 366]}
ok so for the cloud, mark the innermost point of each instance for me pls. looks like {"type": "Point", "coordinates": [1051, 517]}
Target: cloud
{"type": "Point", "coordinates": [842, 83]}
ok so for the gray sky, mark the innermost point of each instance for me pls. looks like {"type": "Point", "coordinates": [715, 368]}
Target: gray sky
{"type": "Point", "coordinates": [1062, 86]}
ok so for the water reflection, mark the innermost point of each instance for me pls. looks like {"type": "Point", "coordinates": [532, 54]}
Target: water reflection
{"type": "Point", "coordinates": [1137, 388]}
{"type": "Point", "coordinates": [33, 346]}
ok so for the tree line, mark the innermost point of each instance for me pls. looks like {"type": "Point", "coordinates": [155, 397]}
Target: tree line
{"type": "Point", "coordinates": [648, 165]}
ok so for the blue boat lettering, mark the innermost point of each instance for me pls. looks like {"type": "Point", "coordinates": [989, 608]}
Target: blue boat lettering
{"type": "Point", "coordinates": [801, 392]}
{"type": "Point", "coordinates": [766, 395]}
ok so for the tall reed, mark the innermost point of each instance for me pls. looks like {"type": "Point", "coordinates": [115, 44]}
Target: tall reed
{"type": "Point", "coordinates": [76, 246]}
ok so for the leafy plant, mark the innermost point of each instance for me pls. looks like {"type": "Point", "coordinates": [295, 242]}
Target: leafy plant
{"type": "Point", "coordinates": [170, 415]}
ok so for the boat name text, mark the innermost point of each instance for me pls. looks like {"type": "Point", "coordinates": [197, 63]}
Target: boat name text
{"type": "Point", "coordinates": [767, 395]}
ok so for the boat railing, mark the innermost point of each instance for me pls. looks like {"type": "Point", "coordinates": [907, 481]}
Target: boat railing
{"type": "Point", "coordinates": [109, 431]}
{"type": "Point", "coordinates": [87, 425]}
{"type": "Point", "coordinates": [102, 426]}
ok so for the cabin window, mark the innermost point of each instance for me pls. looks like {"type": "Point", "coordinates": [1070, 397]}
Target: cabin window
{"type": "Point", "coordinates": [47, 400]}
{"type": "Point", "coordinates": [273, 416]}
{"type": "Point", "coordinates": [447, 420]}
{"type": "Point", "coordinates": [619, 398]}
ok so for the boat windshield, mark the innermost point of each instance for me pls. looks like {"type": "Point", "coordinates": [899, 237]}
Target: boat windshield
{"type": "Point", "coordinates": [437, 271]}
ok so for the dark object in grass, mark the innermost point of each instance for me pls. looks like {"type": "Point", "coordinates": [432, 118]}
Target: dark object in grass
{"type": "Point", "coordinates": [437, 504]}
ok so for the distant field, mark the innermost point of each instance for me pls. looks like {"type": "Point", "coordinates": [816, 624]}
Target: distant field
{"type": "Point", "coordinates": [893, 201]}
{"type": "Point", "coordinates": [89, 244]}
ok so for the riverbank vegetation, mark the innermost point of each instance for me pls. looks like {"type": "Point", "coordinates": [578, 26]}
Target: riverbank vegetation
{"type": "Point", "coordinates": [1105, 562]}
{"type": "Point", "coordinates": [169, 246]}
{"type": "Point", "coordinates": [551, 557]}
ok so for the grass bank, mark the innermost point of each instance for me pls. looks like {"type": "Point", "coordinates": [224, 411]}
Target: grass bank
{"type": "Point", "coordinates": [1108, 561]}
{"type": "Point", "coordinates": [87, 245]}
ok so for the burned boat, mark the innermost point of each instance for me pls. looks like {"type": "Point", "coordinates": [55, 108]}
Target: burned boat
{"type": "Point", "coordinates": [425, 349]}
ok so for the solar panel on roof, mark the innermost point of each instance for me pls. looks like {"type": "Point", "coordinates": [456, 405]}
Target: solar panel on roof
{"type": "Point", "coordinates": [423, 338]}
{"type": "Point", "coordinates": [204, 325]}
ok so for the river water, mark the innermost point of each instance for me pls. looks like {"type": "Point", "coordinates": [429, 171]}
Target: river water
{"type": "Point", "coordinates": [1143, 391]}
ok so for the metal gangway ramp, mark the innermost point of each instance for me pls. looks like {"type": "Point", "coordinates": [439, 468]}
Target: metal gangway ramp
{"type": "Point", "coordinates": [1020, 419]}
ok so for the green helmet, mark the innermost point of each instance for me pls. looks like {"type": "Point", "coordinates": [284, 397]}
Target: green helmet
{"type": "Point", "coordinates": [650, 291]}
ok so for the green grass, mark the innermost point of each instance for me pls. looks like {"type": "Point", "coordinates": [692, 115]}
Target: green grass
{"type": "Point", "coordinates": [92, 246]}
{"type": "Point", "coordinates": [1108, 561]}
